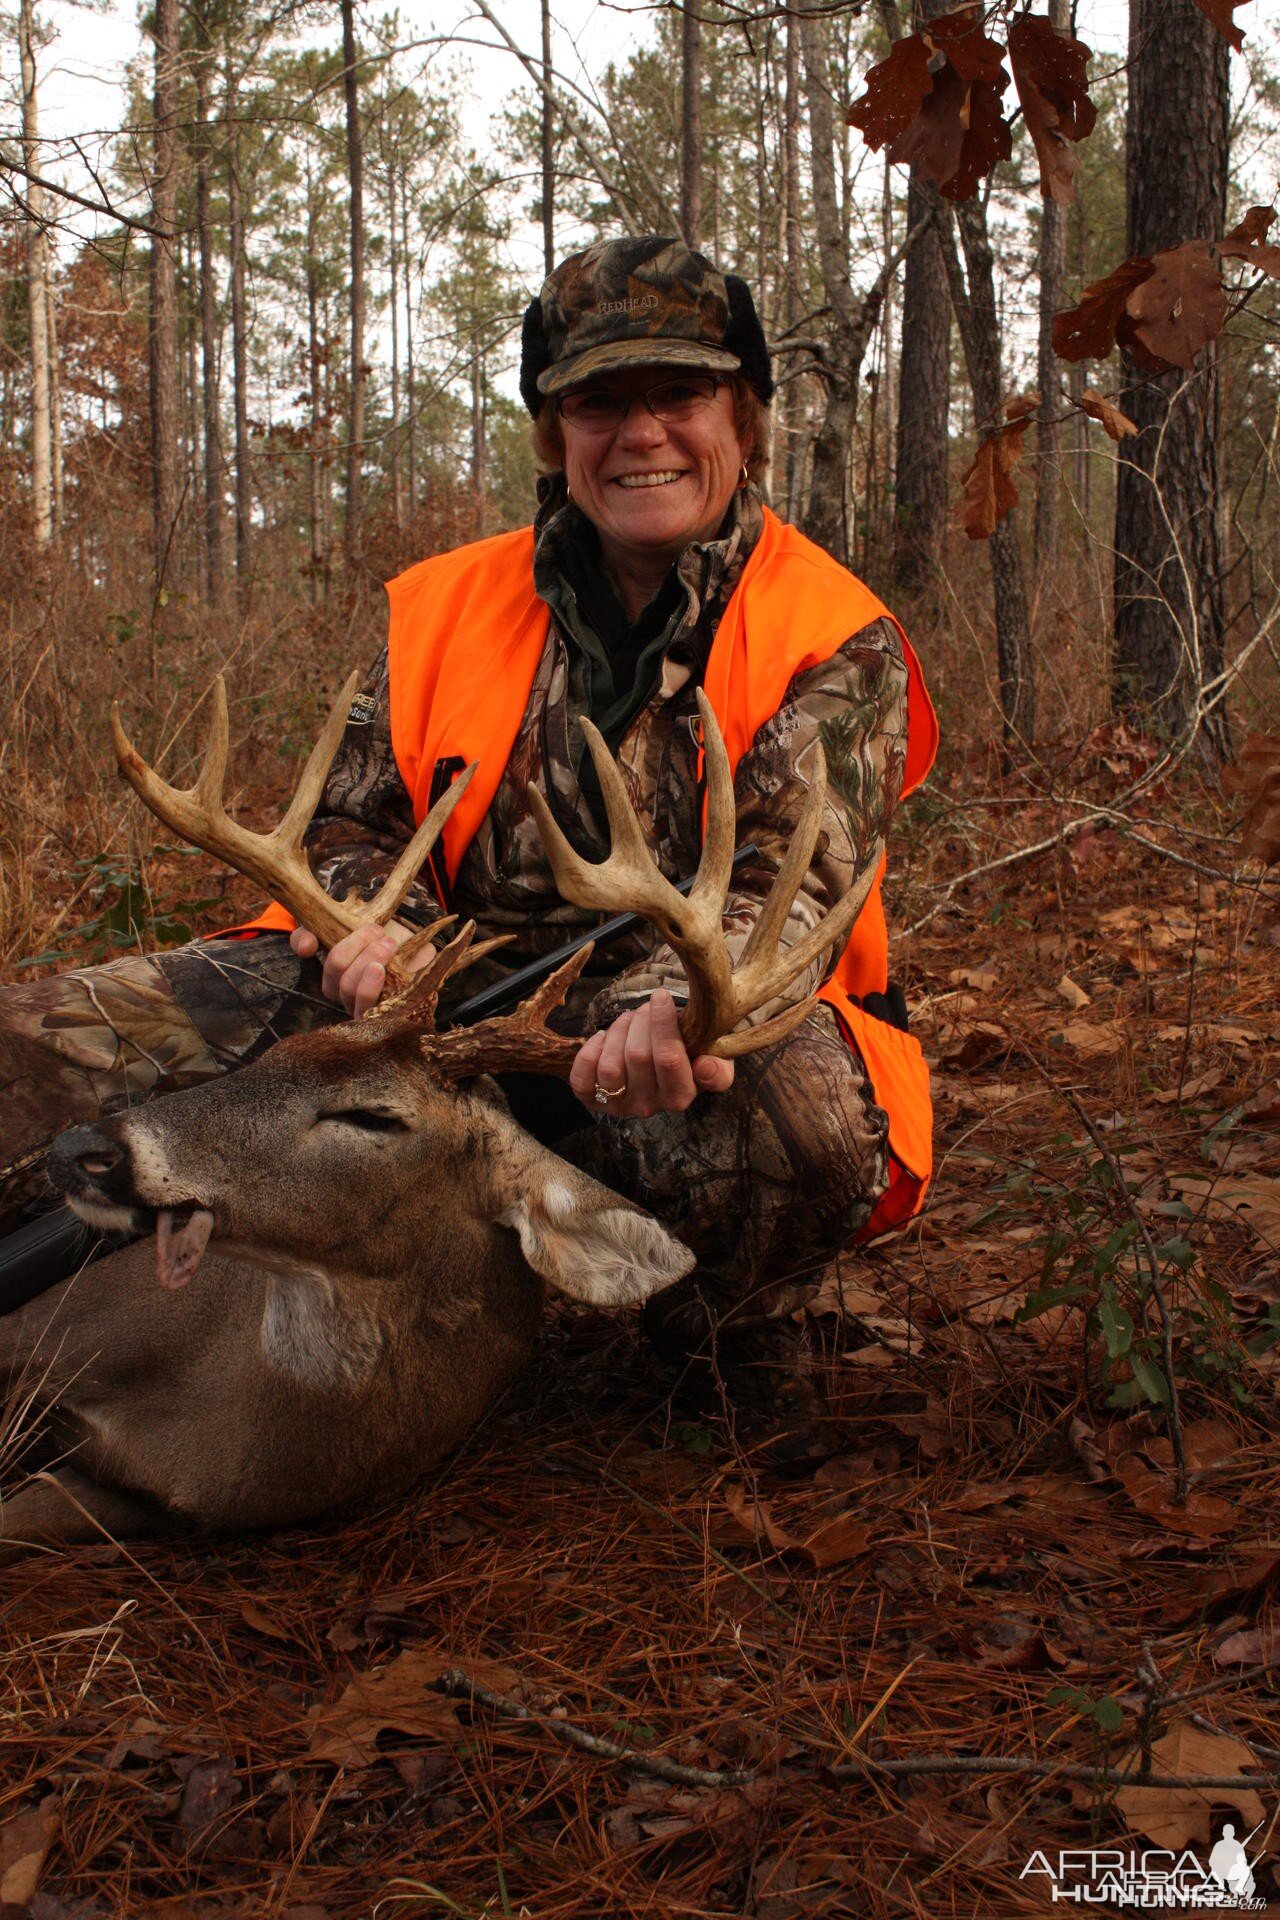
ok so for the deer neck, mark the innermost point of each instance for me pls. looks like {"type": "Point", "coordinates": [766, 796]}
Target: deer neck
{"type": "Point", "coordinates": [317, 1331]}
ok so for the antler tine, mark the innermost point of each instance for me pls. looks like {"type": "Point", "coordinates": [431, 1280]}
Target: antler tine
{"type": "Point", "coordinates": [591, 883]}
{"type": "Point", "coordinates": [764, 967]}
{"type": "Point", "coordinates": [213, 768]}
{"type": "Point", "coordinates": [520, 1042]}
{"type": "Point", "coordinates": [630, 877]}
{"type": "Point", "coordinates": [288, 834]}
{"type": "Point", "coordinates": [421, 988]}
{"type": "Point", "coordinates": [715, 867]}
{"type": "Point", "coordinates": [768, 973]}
{"type": "Point", "coordinates": [421, 939]}
{"type": "Point", "coordinates": [390, 895]}
{"type": "Point", "coordinates": [626, 836]}
{"type": "Point", "coordinates": [276, 861]}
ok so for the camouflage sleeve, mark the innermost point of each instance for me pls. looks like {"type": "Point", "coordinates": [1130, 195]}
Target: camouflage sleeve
{"type": "Point", "coordinates": [855, 703]}
{"type": "Point", "coordinates": [365, 817]}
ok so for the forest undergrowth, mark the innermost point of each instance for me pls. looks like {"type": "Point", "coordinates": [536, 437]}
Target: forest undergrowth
{"type": "Point", "coordinates": [882, 1657]}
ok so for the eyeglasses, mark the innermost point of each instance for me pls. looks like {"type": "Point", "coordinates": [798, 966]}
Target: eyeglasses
{"type": "Point", "coordinates": [602, 409]}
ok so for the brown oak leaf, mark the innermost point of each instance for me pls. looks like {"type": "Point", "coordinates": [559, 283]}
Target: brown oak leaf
{"type": "Point", "coordinates": [1098, 407]}
{"type": "Point", "coordinates": [1089, 331]}
{"type": "Point", "coordinates": [25, 1839]}
{"type": "Point", "coordinates": [1248, 241]}
{"type": "Point", "coordinates": [935, 103]}
{"type": "Point", "coordinates": [1178, 1817]}
{"type": "Point", "coordinates": [1251, 1647]}
{"type": "Point", "coordinates": [210, 1790]}
{"type": "Point", "coordinates": [989, 492]}
{"type": "Point", "coordinates": [1255, 226]}
{"type": "Point", "coordinates": [895, 91]}
{"type": "Point", "coordinates": [831, 1542]}
{"type": "Point", "coordinates": [1221, 12]}
{"type": "Point", "coordinates": [1180, 305]}
{"type": "Point", "coordinates": [399, 1698]}
{"type": "Point", "coordinates": [1049, 74]}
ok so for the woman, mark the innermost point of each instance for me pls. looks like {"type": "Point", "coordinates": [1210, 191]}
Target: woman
{"type": "Point", "coordinates": [652, 568]}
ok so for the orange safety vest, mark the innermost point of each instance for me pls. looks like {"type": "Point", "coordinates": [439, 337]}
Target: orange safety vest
{"type": "Point", "coordinates": [467, 633]}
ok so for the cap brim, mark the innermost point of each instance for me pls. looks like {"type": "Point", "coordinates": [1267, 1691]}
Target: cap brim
{"type": "Point", "coordinates": [655, 352]}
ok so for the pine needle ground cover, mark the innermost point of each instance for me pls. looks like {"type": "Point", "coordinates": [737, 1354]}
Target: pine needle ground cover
{"type": "Point", "coordinates": [633, 1651]}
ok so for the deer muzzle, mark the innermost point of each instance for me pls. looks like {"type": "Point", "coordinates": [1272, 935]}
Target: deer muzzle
{"type": "Point", "coordinates": [96, 1175]}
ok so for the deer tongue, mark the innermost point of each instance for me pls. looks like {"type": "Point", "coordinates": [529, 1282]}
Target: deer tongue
{"type": "Point", "coordinates": [179, 1247]}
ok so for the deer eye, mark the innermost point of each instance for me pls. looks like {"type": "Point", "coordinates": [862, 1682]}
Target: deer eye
{"type": "Point", "coordinates": [367, 1119]}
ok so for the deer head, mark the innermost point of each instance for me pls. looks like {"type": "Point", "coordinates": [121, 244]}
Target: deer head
{"type": "Point", "coordinates": [343, 1154]}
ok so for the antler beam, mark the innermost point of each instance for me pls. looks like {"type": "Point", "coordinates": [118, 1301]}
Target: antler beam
{"type": "Point", "coordinates": [720, 996]}
{"type": "Point", "coordinates": [277, 860]}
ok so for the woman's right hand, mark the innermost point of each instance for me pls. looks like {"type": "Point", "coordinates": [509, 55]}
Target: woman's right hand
{"type": "Point", "coordinates": [355, 970]}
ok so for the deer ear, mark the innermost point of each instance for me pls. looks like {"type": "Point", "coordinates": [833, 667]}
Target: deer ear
{"type": "Point", "coordinates": [588, 1242]}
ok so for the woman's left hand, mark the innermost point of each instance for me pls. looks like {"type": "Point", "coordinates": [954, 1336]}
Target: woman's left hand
{"type": "Point", "coordinates": [641, 1062]}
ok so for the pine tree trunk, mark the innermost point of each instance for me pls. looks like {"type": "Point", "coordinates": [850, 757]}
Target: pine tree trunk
{"type": "Point", "coordinates": [691, 123]}
{"type": "Point", "coordinates": [239, 344]}
{"type": "Point", "coordinates": [764, 305]}
{"type": "Point", "coordinates": [974, 305]}
{"type": "Point", "coordinates": [1078, 378]}
{"type": "Point", "coordinates": [477, 434]}
{"type": "Point", "coordinates": [548, 148]}
{"type": "Point", "coordinates": [1053, 280]}
{"type": "Point", "coordinates": [214, 545]}
{"type": "Point", "coordinates": [315, 451]}
{"type": "Point", "coordinates": [924, 393]}
{"type": "Point", "coordinates": [397, 464]}
{"type": "Point", "coordinates": [327, 414]}
{"type": "Point", "coordinates": [189, 337]}
{"type": "Point", "coordinates": [410, 389]}
{"type": "Point", "coordinates": [37, 292]}
{"type": "Point", "coordinates": [1169, 615]}
{"type": "Point", "coordinates": [163, 334]}
{"type": "Point", "coordinates": [791, 415]}
{"type": "Point", "coordinates": [55, 408]}
{"type": "Point", "coordinates": [886, 393]}
{"type": "Point", "coordinates": [353, 529]}
{"type": "Point", "coordinates": [826, 519]}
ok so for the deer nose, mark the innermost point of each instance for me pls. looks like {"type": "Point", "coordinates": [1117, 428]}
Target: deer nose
{"type": "Point", "coordinates": [84, 1159]}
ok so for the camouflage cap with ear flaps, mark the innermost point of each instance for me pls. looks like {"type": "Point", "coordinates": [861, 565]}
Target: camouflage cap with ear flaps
{"type": "Point", "coordinates": [640, 302]}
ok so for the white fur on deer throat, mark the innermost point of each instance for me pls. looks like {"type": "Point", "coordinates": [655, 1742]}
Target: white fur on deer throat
{"type": "Point", "coordinates": [306, 1334]}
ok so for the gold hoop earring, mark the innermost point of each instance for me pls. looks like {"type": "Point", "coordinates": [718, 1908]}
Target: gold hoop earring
{"type": "Point", "coordinates": [746, 477]}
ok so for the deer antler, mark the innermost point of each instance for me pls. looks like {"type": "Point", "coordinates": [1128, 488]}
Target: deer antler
{"type": "Point", "coordinates": [276, 860]}
{"type": "Point", "coordinates": [720, 996]}
{"type": "Point", "coordinates": [519, 1042]}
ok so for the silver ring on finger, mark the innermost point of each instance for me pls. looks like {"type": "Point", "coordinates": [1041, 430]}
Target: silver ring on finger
{"type": "Point", "coordinates": [603, 1095]}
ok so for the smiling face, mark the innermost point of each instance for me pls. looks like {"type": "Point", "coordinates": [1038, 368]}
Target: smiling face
{"type": "Point", "coordinates": [649, 486]}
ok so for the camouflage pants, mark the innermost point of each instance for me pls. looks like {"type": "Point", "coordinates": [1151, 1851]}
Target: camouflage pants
{"type": "Point", "coordinates": [765, 1183]}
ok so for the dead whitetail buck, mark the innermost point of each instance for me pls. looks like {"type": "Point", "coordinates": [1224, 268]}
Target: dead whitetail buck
{"type": "Point", "coordinates": [379, 1229]}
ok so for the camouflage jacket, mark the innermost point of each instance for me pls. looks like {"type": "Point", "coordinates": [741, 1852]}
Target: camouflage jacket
{"type": "Point", "coordinates": [855, 703]}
